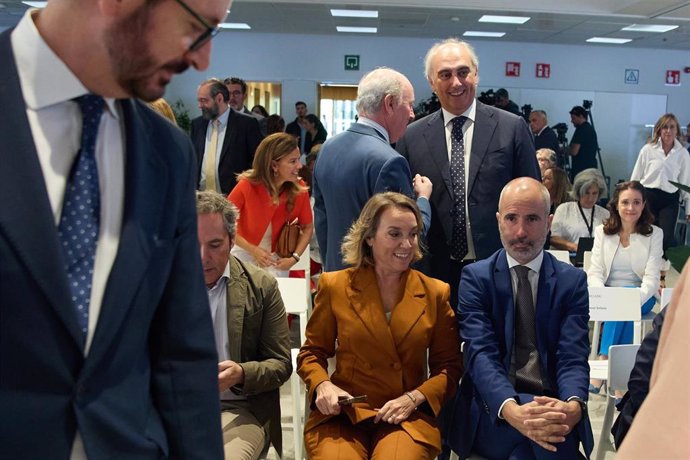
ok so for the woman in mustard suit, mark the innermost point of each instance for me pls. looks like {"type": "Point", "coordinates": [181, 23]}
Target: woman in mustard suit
{"type": "Point", "coordinates": [385, 323]}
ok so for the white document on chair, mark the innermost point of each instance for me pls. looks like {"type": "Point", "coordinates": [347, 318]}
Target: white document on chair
{"type": "Point", "coordinates": [614, 304]}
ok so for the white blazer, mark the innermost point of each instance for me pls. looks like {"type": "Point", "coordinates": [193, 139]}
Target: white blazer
{"type": "Point", "coordinates": [645, 257]}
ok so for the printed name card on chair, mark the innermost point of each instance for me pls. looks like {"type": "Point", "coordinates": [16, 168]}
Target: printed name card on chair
{"type": "Point", "coordinates": [614, 304]}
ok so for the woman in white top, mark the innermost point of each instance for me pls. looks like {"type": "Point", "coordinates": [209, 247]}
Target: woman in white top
{"type": "Point", "coordinates": [577, 219]}
{"type": "Point", "coordinates": [627, 253]}
{"type": "Point", "coordinates": [663, 159]}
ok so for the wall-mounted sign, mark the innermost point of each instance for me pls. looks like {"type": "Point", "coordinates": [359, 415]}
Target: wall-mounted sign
{"type": "Point", "coordinates": [543, 70]}
{"type": "Point", "coordinates": [632, 76]}
{"type": "Point", "coordinates": [673, 77]}
{"type": "Point", "coordinates": [512, 69]}
{"type": "Point", "coordinates": [352, 62]}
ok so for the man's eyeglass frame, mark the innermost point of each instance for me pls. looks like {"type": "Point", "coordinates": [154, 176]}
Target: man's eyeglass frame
{"type": "Point", "coordinates": [207, 35]}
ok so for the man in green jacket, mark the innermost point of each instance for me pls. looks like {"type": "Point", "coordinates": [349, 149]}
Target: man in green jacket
{"type": "Point", "coordinates": [251, 331]}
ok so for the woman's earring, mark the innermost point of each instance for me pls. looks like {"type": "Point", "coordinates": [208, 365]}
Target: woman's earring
{"type": "Point", "coordinates": [275, 173]}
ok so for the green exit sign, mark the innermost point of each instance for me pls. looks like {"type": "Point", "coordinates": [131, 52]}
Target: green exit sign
{"type": "Point", "coordinates": [352, 62]}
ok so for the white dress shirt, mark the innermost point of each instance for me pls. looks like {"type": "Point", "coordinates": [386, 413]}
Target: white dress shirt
{"type": "Point", "coordinates": [48, 87]}
{"type": "Point", "coordinates": [222, 128]}
{"type": "Point", "coordinates": [569, 224]}
{"type": "Point", "coordinates": [654, 169]}
{"type": "Point", "coordinates": [467, 134]}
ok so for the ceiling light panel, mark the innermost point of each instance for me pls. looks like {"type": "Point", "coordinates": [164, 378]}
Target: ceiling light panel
{"type": "Point", "coordinates": [612, 41]}
{"type": "Point", "coordinates": [475, 33]}
{"type": "Point", "coordinates": [357, 30]}
{"type": "Point", "coordinates": [355, 13]}
{"type": "Point", "coordinates": [657, 28]}
{"type": "Point", "coordinates": [504, 19]}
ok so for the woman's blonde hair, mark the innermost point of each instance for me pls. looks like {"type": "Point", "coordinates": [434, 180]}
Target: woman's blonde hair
{"type": "Point", "coordinates": [273, 148]}
{"type": "Point", "coordinates": [356, 252]}
{"type": "Point", "coordinates": [161, 106]}
{"type": "Point", "coordinates": [663, 121]}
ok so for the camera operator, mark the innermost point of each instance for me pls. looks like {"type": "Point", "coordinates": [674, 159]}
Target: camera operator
{"type": "Point", "coordinates": [584, 144]}
{"type": "Point", "coordinates": [544, 137]}
{"type": "Point", "coordinates": [503, 102]}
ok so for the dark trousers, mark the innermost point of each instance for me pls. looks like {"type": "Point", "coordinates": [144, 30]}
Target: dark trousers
{"type": "Point", "coordinates": [664, 206]}
{"type": "Point", "coordinates": [446, 269]}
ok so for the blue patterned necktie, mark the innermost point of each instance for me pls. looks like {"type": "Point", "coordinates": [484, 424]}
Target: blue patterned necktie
{"type": "Point", "coordinates": [79, 221]}
{"type": "Point", "coordinates": [458, 246]}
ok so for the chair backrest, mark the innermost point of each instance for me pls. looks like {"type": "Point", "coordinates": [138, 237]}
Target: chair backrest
{"type": "Point", "coordinates": [563, 256]}
{"type": "Point", "coordinates": [621, 362]}
{"type": "Point", "coordinates": [295, 300]}
{"type": "Point", "coordinates": [666, 294]}
{"type": "Point", "coordinates": [614, 304]}
{"type": "Point", "coordinates": [586, 260]}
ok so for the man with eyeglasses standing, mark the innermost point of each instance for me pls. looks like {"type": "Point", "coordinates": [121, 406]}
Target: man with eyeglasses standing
{"type": "Point", "coordinates": [106, 342]}
{"type": "Point", "coordinates": [469, 151]}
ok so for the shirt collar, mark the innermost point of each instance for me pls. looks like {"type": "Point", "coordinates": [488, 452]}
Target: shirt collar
{"type": "Point", "coordinates": [223, 278]}
{"type": "Point", "coordinates": [372, 124]}
{"type": "Point", "coordinates": [45, 79]}
{"type": "Point", "coordinates": [470, 113]}
{"type": "Point", "coordinates": [223, 119]}
{"type": "Point", "coordinates": [534, 264]}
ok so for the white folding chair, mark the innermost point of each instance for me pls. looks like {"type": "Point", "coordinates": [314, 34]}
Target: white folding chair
{"type": "Point", "coordinates": [666, 294]}
{"type": "Point", "coordinates": [563, 256]}
{"type": "Point", "coordinates": [613, 304]}
{"type": "Point", "coordinates": [621, 361]}
{"type": "Point", "coordinates": [297, 408]}
{"type": "Point", "coordinates": [586, 260]}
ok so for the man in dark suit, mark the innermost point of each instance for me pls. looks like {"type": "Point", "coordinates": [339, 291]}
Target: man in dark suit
{"type": "Point", "coordinates": [225, 140]}
{"type": "Point", "coordinates": [252, 336]}
{"type": "Point", "coordinates": [237, 90]}
{"type": "Point", "coordinates": [523, 318]}
{"type": "Point", "coordinates": [544, 137]}
{"type": "Point", "coordinates": [358, 163]}
{"type": "Point", "coordinates": [107, 346]}
{"type": "Point", "coordinates": [468, 166]}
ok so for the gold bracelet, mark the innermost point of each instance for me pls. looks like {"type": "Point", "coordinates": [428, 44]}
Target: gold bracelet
{"type": "Point", "coordinates": [412, 398]}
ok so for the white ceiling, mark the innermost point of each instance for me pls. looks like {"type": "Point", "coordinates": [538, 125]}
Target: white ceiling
{"type": "Point", "coordinates": [552, 21]}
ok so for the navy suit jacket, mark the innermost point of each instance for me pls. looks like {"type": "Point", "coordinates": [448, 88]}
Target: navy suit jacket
{"type": "Point", "coordinates": [242, 137]}
{"type": "Point", "coordinates": [547, 140]}
{"type": "Point", "coordinates": [148, 387]}
{"type": "Point", "coordinates": [486, 318]}
{"type": "Point", "coordinates": [350, 169]}
{"type": "Point", "coordinates": [502, 149]}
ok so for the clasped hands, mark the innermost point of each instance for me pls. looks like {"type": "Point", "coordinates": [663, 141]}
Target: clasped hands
{"type": "Point", "coordinates": [229, 374]}
{"type": "Point", "coordinates": [546, 421]}
{"type": "Point", "coordinates": [394, 411]}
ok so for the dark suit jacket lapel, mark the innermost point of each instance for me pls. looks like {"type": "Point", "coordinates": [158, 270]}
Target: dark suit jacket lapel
{"type": "Point", "coordinates": [26, 217]}
{"type": "Point", "coordinates": [504, 294]}
{"type": "Point", "coordinates": [484, 127]}
{"type": "Point", "coordinates": [547, 285]}
{"type": "Point", "coordinates": [365, 299]}
{"type": "Point", "coordinates": [145, 189]}
{"type": "Point", "coordinates": [435, 136]}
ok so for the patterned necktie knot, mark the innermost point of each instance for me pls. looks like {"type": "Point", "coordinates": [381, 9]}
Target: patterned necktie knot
{"type": "Point", "coordinates": [458, 123]}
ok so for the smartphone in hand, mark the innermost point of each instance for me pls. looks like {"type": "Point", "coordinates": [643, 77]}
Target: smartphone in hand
{"type": "Point", "coordinates": [345, 401]}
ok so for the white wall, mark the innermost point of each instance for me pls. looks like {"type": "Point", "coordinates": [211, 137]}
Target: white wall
{"type": "Point", "coordinates": [620, 111]}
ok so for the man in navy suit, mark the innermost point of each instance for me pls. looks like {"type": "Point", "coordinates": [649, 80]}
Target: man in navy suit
{"type": "Point", "coordinates": [357, 163]}
{"type": "Point", "coordinates": [497, 145]}
{"type": "Point", "coordinates": [119, 361]}
{"type": "Point", "coordinates": [523, 318]}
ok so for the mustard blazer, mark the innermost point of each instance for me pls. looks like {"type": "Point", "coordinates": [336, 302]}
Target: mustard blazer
{"type": "Point", "coordinates": [377, 360]}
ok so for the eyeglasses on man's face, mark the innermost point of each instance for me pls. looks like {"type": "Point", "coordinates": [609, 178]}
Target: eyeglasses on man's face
{"type": "Point", "coordinates": [207, 35]}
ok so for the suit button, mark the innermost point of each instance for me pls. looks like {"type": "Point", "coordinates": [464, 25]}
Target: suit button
{"type": "Point", "coordinates": [396, 366]}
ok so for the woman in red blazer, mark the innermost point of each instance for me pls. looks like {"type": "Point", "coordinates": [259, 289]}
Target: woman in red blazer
{"type": "Point", "coordinates": [267, 196]}
{"type": "Point", "coordinates": [389, 323]}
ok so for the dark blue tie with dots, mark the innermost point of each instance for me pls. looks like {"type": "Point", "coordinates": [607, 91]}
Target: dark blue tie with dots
{"type": "Point", "coordinates": [79, 221]}
{"type": "Point", "coordinates": [458, 246]}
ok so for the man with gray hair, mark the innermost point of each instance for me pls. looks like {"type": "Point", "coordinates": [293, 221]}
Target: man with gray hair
{"type": "Point", "coordinates": [251, 331]}
{"type": "Point", "coordinates": [469, 150]}
{"type": "Point", "coordinates": [358, 163]}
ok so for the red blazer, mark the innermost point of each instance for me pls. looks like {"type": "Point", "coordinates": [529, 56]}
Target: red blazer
{"type": "Point", "coordinates": [257, 210]}
{"type": "Point", "coordinates": [379, 360]}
